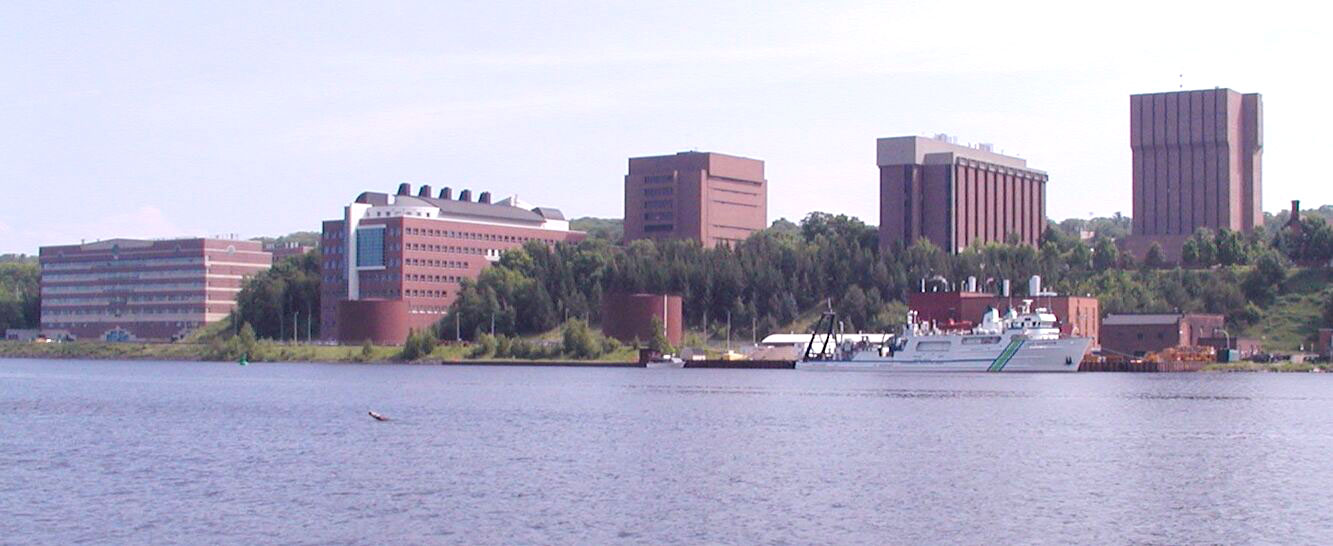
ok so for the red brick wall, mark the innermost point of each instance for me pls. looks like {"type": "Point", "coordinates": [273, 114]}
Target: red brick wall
{"type": "Point", "coordinates": [714, 198]}
{"type": "Point", "coordinates": [383, 322]}
{"type": "Point", "coordinates": [628, 317]}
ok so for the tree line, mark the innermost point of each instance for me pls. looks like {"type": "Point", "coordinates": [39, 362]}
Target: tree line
{"type": "Point", "coordinates": [769, 280]}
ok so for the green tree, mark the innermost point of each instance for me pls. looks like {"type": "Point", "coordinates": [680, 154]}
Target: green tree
{"type": "Point", "coordinates": [1155, 258]}
{"type": "Point", "coordinates": [580, 341]}
{"type": "Point", "coordinates": [1263, 283]}
{"type": "Point", "coordinates": [282, 301]}
{"type": "Point", "coordinates": [1328, 307]}
{"type": "Point", "coordinates": [1205, 246]}
{"type": "Point", "coordinates": [1104, 253]}
{"type": "Point", "coordinates": [659, 342]}
{"type": "Point", "coordinates": [419, 344]}
{"type": "Point", "coordinates": [20, 296]}
{"type": "Point", "coordinates": [1189, 253]}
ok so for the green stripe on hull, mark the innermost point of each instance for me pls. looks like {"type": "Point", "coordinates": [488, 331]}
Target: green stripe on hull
{"type": "Point", "coordinates": [1005, 355]}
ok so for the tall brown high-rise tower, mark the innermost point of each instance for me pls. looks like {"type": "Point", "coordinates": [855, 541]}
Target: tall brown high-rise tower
{"type": "Point", "coordinates": [1197, 164]}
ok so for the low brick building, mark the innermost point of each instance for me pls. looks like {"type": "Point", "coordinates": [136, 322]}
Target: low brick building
{"type": "Point", "coordinates": [1140, 334]}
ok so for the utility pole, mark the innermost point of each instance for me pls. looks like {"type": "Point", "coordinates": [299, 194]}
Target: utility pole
{"type": "Point", "coordinates": [754, 330]}
{"type": "Point", "coordinates": [492, 324]}
{"type": "Point", "coordinates": [457, 337]}
{"type": "Point", "coordinates": [296, 326]}
{"type": "Point", "coordinates": [728, 331]}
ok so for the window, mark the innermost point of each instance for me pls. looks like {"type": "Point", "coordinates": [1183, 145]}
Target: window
{"type": "Point", "coordinates": [657, 204]}
{"type": "Point", "coordinates": [650, 192]}
{"type": "Point", "coordinates": [658, 228]}
{"type": "Point", "coordinates": [658, 179]}
{"type": "Point", "coordinates": [932, 345]}
{"type": "Point", "coordinates": [370, 246]}
{"type": "Point", "coordinates": [658, 216]}
{"type": "Point", "coordinates": [987, 340]}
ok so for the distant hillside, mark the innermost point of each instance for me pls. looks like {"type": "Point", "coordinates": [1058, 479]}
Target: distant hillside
{"type": "Point", "coordinates": [310, 238]}
{"type": "Point", "coordinates": [17, 259]}
{"type": "Point", "coordinates": [611, 229]}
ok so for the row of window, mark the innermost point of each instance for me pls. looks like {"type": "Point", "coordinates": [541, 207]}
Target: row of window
{"type": "Point", "coordinates": [196, 297]}
{"type": "Point", "coordinates": [126, 311]}
{"type": "Point", "coordinates": [135, 262]}
{"type": "Point", "coordinates": [652, 192]}
{"type": "Point", "coordinates": [452, 264]}
{"type": "Point", "coordinates": [120, 275]}
{"type": "Point", "coordinates": [433, 278]}
{"type": "Point", "coordinates": [427, 310]}
{"type": "Point", "coordinates": [658, 179]}
{"type": "Point", "coordinates": [657, 204]}
{"type": "Point", "coordinates": [183, 324]}
{"type": "Point", "coordinates": [659, 216]}
{"type": "Point", "coordinates": [654, 228]}
{"type": "Point", "coordinates": [451, 249]}
{"type": "Point", "coordinates": [148, 287]}
{"type": "Point", "coordinates": [473, 236]}
{"type": "Point", "coordinates": [417, 293]}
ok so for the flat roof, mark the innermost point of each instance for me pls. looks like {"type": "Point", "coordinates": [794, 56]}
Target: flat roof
{"type": "Point", "coordinates": [1145, 319]}
{"type": "Point", "coordinates": [918, 150]}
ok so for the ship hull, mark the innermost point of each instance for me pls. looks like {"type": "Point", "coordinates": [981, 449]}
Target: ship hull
{"type": "Point", "coordinates": [1053, 355]}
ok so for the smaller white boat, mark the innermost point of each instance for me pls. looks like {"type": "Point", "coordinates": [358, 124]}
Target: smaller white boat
{"type": "Point", "coordinates": [666, 361]}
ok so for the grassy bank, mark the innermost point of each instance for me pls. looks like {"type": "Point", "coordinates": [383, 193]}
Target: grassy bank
{"type": "Point", "coordinates": [1265, 367]}
{"type": "Point", "coordinates": [265, 351]}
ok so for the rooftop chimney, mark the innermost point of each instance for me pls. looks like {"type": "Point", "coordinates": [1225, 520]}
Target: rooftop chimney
{"type": "Point", "coordinates": [424, 191]}
{"type": "Point", "coordinates": [465, 195]}
{"type": "Point", "coordinates": [485, 197]}
{"type": "Point", "coordinates": [404, 189]}
{"type": "Point", "coordinates": [446, 193]}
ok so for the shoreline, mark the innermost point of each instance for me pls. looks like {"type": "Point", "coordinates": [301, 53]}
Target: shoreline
{"type": "Point", "coordinates": [271, 352]}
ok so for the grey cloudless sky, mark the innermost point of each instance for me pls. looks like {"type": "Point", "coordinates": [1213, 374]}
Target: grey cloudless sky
{"type": "Point", "coordinates": [165, 119]}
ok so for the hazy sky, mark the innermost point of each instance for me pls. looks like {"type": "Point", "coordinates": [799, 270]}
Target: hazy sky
{"type": "Point", "coordinates": [168, 119]}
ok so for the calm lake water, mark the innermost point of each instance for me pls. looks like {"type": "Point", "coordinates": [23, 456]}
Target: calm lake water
{"type": "Point", "coordinates": [172, 452]}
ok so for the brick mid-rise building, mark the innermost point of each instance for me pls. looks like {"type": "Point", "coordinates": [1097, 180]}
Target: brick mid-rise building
{"type": "Point", "coordinates": [956, 196]}
{"type": "Point", "coordinates": [707, 197]}
{"type": "Point", "coordinates": [130, 289]}
{"type": "Point", "coordinates": [395, 262]}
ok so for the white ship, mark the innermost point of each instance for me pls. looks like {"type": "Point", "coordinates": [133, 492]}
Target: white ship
{"type": "Point", "coordinates": [1029, 341]}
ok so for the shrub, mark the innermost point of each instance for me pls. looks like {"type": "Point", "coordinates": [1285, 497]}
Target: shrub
{"type": "Point", "coordinates": [579, 341]}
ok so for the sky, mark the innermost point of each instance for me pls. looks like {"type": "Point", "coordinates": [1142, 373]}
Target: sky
{"type": "Point", "coordinates": [173, 119]}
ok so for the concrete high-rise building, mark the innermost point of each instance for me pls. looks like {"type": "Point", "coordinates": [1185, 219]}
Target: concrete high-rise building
{"type": "Point", "coordinates": [956, 195]}
{"type": "Point", "coordinates": [131, 289]}
{"type": "Point", "coordinates": [1197, 164]}
{"type": "Point", "coordinates": [711, 198]}
{"type": "Point", "coordinates": [396, 262]}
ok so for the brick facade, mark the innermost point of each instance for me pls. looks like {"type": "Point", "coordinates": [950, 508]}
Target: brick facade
{"type": "Point", "coordinates": [1197, 163]}
{"type": "Point", "coordinates": [707, 197]}
{"type": "Point", "coordinates": [956, 196]}
{"type": "Point", "coordinates": [129, 289]}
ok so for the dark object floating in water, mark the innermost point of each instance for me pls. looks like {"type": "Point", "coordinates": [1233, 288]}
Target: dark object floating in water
{"type": "Point", "coordinates": [378, 417]}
